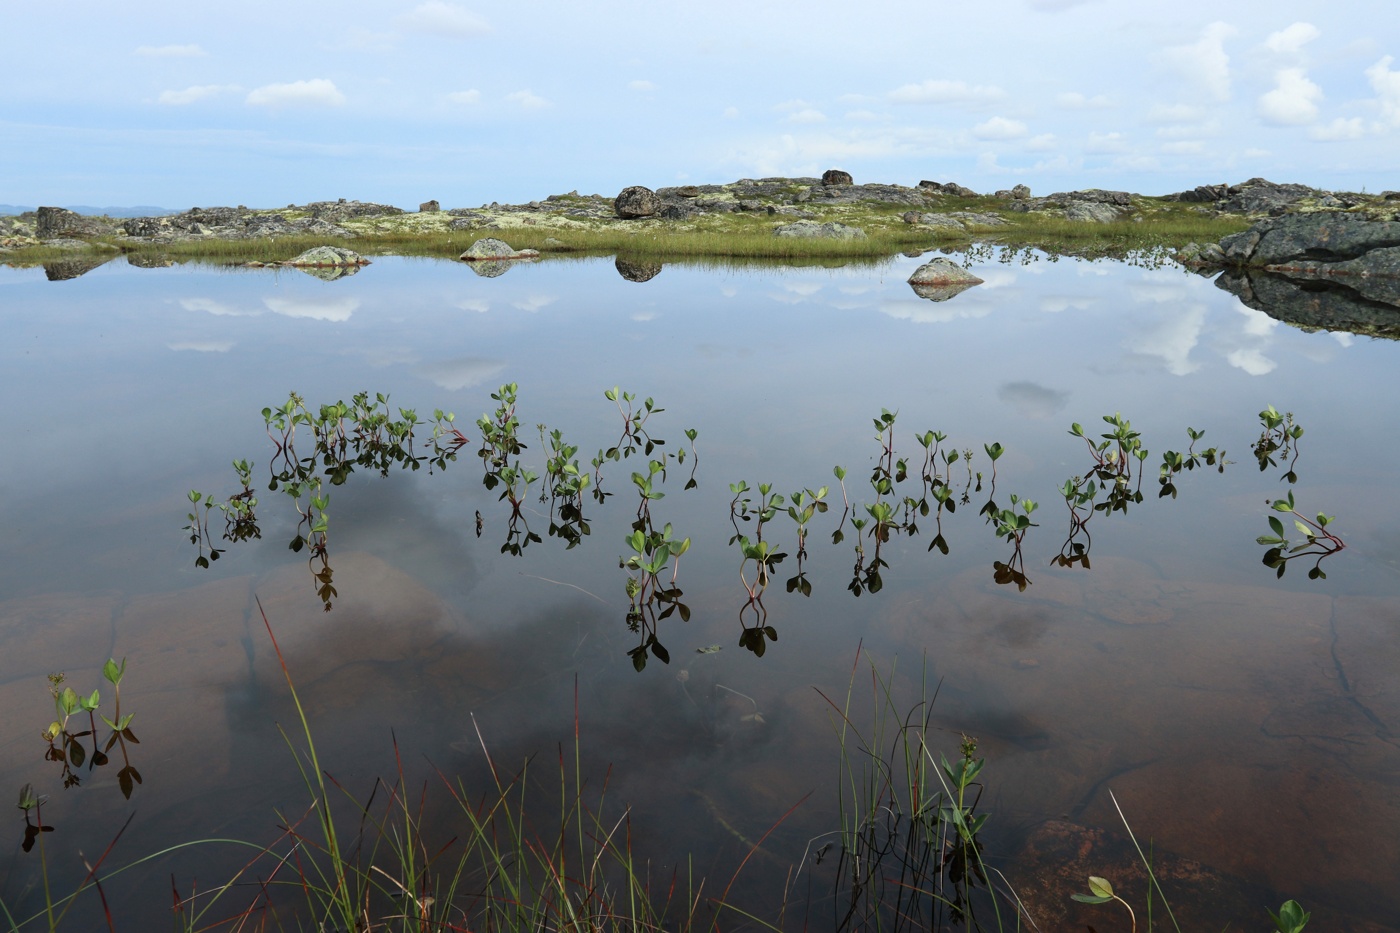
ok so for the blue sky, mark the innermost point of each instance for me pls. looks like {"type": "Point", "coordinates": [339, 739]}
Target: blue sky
{"type": "Point", "coordinates": [270, 103]}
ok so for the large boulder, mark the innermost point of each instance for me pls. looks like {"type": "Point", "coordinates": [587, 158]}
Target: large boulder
{"type": "Point", "coordinates": [834, 176]}
{"type": "Point", "coordinates": [812, 229]}
{"type": "Point", "coordinates": [52, 223]}
{"type": "Point", "coordinates": [429, 207]}
{"type": "Point", "coordinates": [636, 201]}
{"type": "Point", "coordinates": [943, 272]}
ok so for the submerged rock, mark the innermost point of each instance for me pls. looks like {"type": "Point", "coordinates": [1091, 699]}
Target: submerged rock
{"type": "Point", "coordinates": [827, 231]}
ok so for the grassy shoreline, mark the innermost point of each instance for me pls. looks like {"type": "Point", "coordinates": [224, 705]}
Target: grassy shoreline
{"type": "Point", "coordinates": [733, 236]}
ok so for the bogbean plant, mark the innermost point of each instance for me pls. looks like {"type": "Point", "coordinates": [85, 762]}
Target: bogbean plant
{"type": "Point", "coordinates": [1279, 437]}
{"type": "Point", "coordinates": [763, 555]}
{"type": "Point", "coordinates": [1317, 540]}
{"type": "Point", "coordinates": [65, 743]}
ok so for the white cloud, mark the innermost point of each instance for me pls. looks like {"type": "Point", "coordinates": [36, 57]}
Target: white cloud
{"type": "Point", "coordinates": [527, 99]}
{"type": "Point", "coordinates": [1251, 361]}
{"type": "Point", "coordinates": [1291, 40]}
{"type": "Point", "coordinates": [1293, 101]}
{"type": "Point", "coordinates": [1106, 142]}
{"type": "Point", "coordinates": [864, 115]}
{"type": "Point", "coordinates": [1205, 62]}
{"type": "Point", "coordinates": [479, 305]}
{"type": "Point", "coordinates": [999, 128]}
{"type": "Point", "coordinates": [203, 346]}
{"type": "Point", "coordinates": [1387, 87]}
{"type": "Point", "coordinates": [643, 86]}
{"type": "Point", "coordinates": [1073, 100]}
{"type": "Point", "coordinates": [1184, 147]}
{"type": "Point", "coordinates": [1340, 129]}
{"type": "Point", "coordinates": [444, 19]}
{"type": "Point", "coordinates": [465, 97]}
{"type": "Point", "coordinates": [1257, 323]}
{"type": "Point", "coordinates": [1172, 339]}
{"type": "Point", "coordinates": [218, 308]}
{"type": "Point", "coordinates": [946, 92]}
{"type": "Point", "coordinates": [1173, 113]}
{"type": "Point", "coordinates": [196, 92]}
{"type": "Point", "coordinates": [323, 309]}
{"type": "Point", "coordinates": [318, 92]}
{"type": "Point", "coordinates": [533, 303]}
{"type": "Point", "coordinates": [461, 373]}
{"type": "Point", "coordinates": [1042, 143]}
{"type": "Point", "coordinates": [730, 113]}
{"type": "Point", "coordinates": [806, 116]}
{"type": "Point", "coordinates": [171, 51]}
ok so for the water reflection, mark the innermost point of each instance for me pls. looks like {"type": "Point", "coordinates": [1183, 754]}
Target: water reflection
{"type": "Point", "coordinates": [637, 270]}
{"type": "Point", "coordinates": [1358, 304]}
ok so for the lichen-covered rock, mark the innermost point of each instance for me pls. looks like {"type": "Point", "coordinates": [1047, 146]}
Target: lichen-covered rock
{"type": "Point", "coordinates": [943, 272]}
{"type": "Point", "coordinates": [1090, 212]}
{"type": "Point", "coordinates": [951, 187]}
{"type": "Point", "coordinates": [490, 248]}
{"type": "Point", "coordinates": [1261, 196]}
{"type": "Point", "coordinates": [810, 228]}
{"type": "Point", "coordinates": [1196, 255]}
{"type": "Point", "coordinates": [1020, 192]}
{"type": "Point", "coordinates": [55, 222]}
{"type": "Point", "coordinates": [328, 257]}
{"type": "Point", "coordinates": [636, 201]}
{"type": "Point", "coordinates": [429, 207]}
{"type": "Point", "coordinates": [834, 176]}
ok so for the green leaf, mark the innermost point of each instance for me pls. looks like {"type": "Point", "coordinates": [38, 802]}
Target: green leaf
{"type": "Point", "coordinates": [1100, 886]}
{"type": "Point", "coordinates": [1276, 525]}
{"type": "Point", "coordinates": [1086, 899]}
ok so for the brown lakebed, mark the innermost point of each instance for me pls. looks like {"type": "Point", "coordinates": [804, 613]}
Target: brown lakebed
{"type": "Point", "coordinates": [1242, 721]}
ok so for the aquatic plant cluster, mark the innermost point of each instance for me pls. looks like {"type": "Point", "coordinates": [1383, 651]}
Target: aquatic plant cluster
{"type": "Point", "coordinates": [904, 490]}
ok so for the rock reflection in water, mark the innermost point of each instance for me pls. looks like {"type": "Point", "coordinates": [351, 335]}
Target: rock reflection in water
{"type": "Point", "coordinates": [1355, 304]}
{"type": "Point", "coordinates": [61, 270]}
{"type": "Point", "coordinates": [637, 270]}
{"type": "Point", "coordinates": [328, 273]}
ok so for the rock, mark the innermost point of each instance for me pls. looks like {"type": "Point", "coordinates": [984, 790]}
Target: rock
{"type": "Point", "coordinates": [750, 205]}
{"type": "Point", "coordinates": [1091, 212]}
{"type": "Point", "coordinates": [1322, 237]}
{"type": "Point", "coordinates": [54, 222]}
{"type": "Point", "coordinates": [637, 270]}
{"type": "Point", "coordinates": [687, 191]}
{"type": "Point", "coordinates": [944, 221]}
{"type": "Point", "coordinates": [810, 228]}
{"type": "Point", "coordinates": [943, 271]}
{"type": "Point", "coordinates": [834, 176]}
{"type": "Point", "coordinates": [1020, 192]}
{"type": "Point", "coordinates": [940, 292]}
{"type": "Point", "coordinates": [429, 207]}
{"type": "Point", "coordinates": [64, 269]}
{"type": "Point", "coordinates": [491, 268]}
{"type": "Point", "coordinates": [349, 210]}
{"type": "Point", "coordinates": [973, 219]}
{"type": "Point", "coordinates": [1201, 194]}
{"type": "Point", "coordinates": [1261, 196]}
{"type": "Point", "coordinates": [490, 248]}
{"type": "Point", "coordinates": [328, 257]}
{"type": "Point", "coordinates": [1194, 255]}
{"type": "Point", "coordinates": [1003, 193]}
{"type": "Point", "coordinates": [635, 202]}
{"type": "Point", "coordinates": [951, 187]}
{"type": "Point", "coordinates": [677, 212]}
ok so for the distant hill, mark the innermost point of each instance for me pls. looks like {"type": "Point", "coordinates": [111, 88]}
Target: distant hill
{"type": "Point", "coordinates": [7, 210]}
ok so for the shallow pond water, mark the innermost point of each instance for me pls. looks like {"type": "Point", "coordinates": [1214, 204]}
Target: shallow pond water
{"type": "Point", "coordinates": [1242, 721]}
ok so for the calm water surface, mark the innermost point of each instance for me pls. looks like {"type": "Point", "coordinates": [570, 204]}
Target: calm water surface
{"type": "Point", "coordinates": [1242, 721]}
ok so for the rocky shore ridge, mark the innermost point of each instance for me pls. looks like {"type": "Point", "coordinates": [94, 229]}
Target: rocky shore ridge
{"type": "Point", "coordinates": [789, 201]}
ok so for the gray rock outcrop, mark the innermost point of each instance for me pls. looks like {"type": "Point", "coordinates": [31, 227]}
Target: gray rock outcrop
{"type": "Point", "coordinates": [1322, 269]}
{"type": "Point", "coordinates": [834, 176]}
{"type": "Point", "coordinates": [429, 207]}
{"type": "Point", "coordinates": [636, 201]}
{"type": "Point", "coordinates": [810, 229]}
{"type": "Point", "coordinates": [1091, 212]}
{"type": "Point", "coordinates": [950, 187]}
{"type": "Point", "coordinates": [52, 223]}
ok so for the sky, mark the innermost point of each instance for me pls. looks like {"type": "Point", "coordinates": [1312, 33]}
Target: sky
{"type": "Point", "coordinates": [266, 104]}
